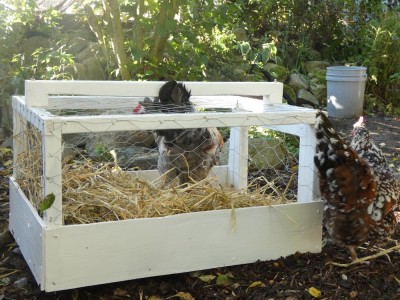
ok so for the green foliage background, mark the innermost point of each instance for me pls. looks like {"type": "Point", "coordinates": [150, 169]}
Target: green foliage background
{"type": "Point", "coordinates": [204, 40]}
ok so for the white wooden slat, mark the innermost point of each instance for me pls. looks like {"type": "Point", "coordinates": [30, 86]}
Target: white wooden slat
{"type": "Point", "coordinates": [34, 115]}
{"type": "Point", "coordinates": [307, 174]}
{"type": "Point", "coordinates": [83, 255]}
{"type": "Point", "coordinates": [238, 157]}
{"type": "Point", "coordinates": [220, 173]}
{"type": "Point", "coordinates": [37, 91]}
{"type": "Point", "coordinates": [52, 171]}
{"type": "Point", "coordinates": [26, 227]}
{"type": "Point", "coordinates": [170, 121]}
{"type": "Point", "coordinates": [108, 102]}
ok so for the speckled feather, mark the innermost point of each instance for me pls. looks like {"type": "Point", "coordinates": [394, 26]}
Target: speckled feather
{"type": "Point", "coordinates": [184, 153]}
{"type": "Point", "coordinates": [347, 186]}
{"type": "Point", "coordinates": [388, 191]}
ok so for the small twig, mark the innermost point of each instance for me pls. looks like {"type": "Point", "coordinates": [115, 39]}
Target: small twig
{"type": "Point", "coordinates": [233, 218]}
{"type": "Point", "coordinates": [293, 221]}
{"type": "Point", "coordinates": [8, 274]}
{"type": "Point", "coordinates": [287, 187]}
{"type": "Point", "coordinates": [366, 258]}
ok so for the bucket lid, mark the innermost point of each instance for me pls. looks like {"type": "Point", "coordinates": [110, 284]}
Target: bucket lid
{"type": "Point", "coordinates": [346, 68]}
{"type": "Point", "coordinates": [345, 73]}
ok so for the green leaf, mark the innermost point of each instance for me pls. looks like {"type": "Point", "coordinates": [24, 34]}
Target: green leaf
{"type": "Point", "coordinates": [5, 150]}
{"type": "Point", "coordinates": [225, 279]}
{"type": "Point", "coordinates": [47, 202]}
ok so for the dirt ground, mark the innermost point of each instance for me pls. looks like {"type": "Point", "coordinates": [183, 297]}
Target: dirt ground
{"type": "Point", "coordinates": [299, 276]}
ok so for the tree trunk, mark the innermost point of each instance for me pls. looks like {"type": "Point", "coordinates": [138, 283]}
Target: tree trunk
{"type": "Point", "coordinates": [112, 14]}
{"type": "Point", "coordinates": [167, 13]}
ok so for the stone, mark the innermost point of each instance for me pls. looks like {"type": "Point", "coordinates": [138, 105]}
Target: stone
{"type": "Point", "coordinates": [310, 66]}
{"type": "Point", "coordinates": [277, 72]}
{"type": "Point", "coordinates": [31, 44]}
{"type": "Point", "coordinates": [93, 68]}
{"type": "Point", "coordinates": [22, 283]}
{"type": "Point", "coordinates": [318, 90]}
{"type": "Point", "coordinates": [140, 158]}
{"type": "Point", "coordinates": [77, 44]}
{"type": "Point", "coordinates": [305, 97]}
{"type": "Point", "coordinates": [298, 81]}
{"type": "Point", "coordinates": [99, 144]}
{"type": "Point", "coordinates": [290, 92]}
{"type": "Point", "coordinates": [319, 75]}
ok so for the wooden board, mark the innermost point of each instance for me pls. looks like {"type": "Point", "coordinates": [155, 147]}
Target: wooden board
{"type": "Point", "coordinates": [38, 91]}
{"type": "Point", "coordinates": [27, 228]}
{"type": "Point", "coordinates": [82, 255]}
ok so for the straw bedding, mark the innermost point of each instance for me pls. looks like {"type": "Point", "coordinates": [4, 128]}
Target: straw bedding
{"type": "Point", "coordinates": [93, 194]}
{"type": "Point", "coordinates": [98, 192]}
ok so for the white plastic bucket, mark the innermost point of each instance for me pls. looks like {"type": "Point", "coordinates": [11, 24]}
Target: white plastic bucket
{"type": "Point", "coordinates": [345, 91]}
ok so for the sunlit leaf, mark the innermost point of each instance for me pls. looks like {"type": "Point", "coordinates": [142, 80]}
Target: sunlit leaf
{"type": "Point", "coordinates": [47, 202]}
{"type": "Point", "coordinates": [8, 163]}
{"type": "Point", "coordinates": [314, 292]}
{"type": "Point", "coordinates": [225, 279]}
{"type": "Point", "coordinates": [5, 150]}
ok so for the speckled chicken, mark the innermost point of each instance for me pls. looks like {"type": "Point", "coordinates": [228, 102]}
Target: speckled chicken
{"type": "Point", "coordinates": [186, 154]}
{"type": "Point", "coordinates": [357, 185]}
{"type": "Point", "coordinates": [388, 189]}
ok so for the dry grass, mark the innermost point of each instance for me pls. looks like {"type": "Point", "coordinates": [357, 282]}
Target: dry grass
{"type": "Point", "coordinates": [98, 192]}
{"type": "Point", "coordinates": [29, 163]}
{"type": "Point", "coordinates": [93, 194]}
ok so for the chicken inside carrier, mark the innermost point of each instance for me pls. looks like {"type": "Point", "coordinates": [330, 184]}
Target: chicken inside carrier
{"type": "Point", "coordinates": [112, 175]}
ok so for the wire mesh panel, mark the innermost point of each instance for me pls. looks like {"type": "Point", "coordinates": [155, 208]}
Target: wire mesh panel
{"type": "Point", "coordinates": [120, 174]}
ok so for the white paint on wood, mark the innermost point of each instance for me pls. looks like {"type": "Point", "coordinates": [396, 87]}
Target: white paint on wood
{"type": "Point", "coordinates": [26, 227]}
{"type": "Point", "coordinates": [238, 157]}
{"type": "Point", "coordinates": [37, 91]}
{"type": "Point", "coordinates": [219, 173]}
{"type": "Point", "coordinates": [64, 257]}
{"type": "Point", "coordinates": [82, 255]}
{"type": "Point", "coordinates": [52, 171]}
{"type": "Point", "coordinates": [111, 102]}
{"type": "Point", "coordinates": [170, 121]}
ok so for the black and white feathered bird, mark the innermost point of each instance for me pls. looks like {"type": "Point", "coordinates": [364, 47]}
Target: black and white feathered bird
{"type": "Point", "coordinates": [357, 185]}
{"type": "Point", "coordinates": [185, 154]}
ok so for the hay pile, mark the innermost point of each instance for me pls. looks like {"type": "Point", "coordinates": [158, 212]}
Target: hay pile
{"type": "Point", "coordinates": [99, 192]}
{"type": "Point", "coordinates": [29, 163]}
{"type": "Point", "coordinates": [105, 193]}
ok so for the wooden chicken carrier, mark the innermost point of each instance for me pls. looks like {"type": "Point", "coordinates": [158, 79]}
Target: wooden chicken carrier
{"type": "Point", "coordinates": [69, 256]}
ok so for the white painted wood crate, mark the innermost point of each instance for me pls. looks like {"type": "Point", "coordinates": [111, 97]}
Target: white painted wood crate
{"type": "Point", "coordinates": [69, 256]}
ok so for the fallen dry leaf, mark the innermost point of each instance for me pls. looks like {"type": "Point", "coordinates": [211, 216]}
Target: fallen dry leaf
{"type": "Point", "coordinates": [184, 296]}
{"type": "Point", "coordinates": [121, 293]}
{"type": "Point", "coordinates": [207, 278]}
{"type": "Point", "coordinates": [257, 284]}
